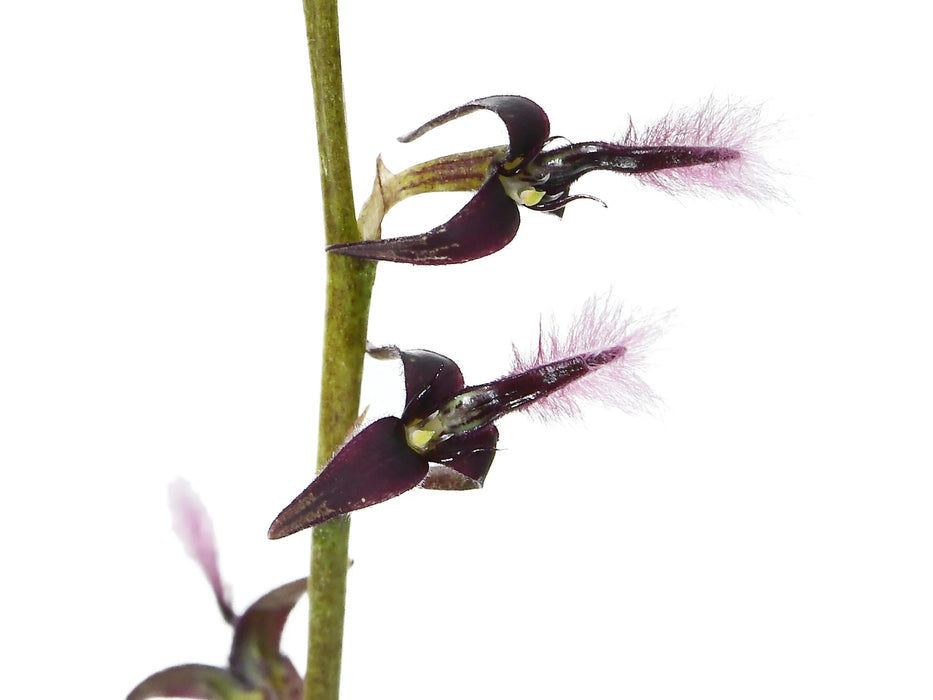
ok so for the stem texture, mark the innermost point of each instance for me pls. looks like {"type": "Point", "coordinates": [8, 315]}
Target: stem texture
{"type": "Point", "coordinates": [349, 286]}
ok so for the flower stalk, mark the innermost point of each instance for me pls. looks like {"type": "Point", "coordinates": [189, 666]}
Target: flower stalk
{"type": "Point", "coordinates": [349, 287]}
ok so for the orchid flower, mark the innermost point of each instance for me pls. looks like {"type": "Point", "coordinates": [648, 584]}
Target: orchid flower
{"type": "Point", "coordinates": [257, 670]}
{"type": "Point", "coordinates": [712, 149]}
{"type": "Point", "coordinates": [445, 437]}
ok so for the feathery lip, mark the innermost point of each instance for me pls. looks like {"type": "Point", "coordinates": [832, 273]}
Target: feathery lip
{"type": "Point", "coordinates": [531, 172]}
{"type": "Point", "coordinates": [445, 438]}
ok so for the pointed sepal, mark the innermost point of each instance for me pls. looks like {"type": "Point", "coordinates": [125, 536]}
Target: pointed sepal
{"type": "Point", "coordinates": [487, 223]}
{"type": "Point", "coordinates": [373, 467]}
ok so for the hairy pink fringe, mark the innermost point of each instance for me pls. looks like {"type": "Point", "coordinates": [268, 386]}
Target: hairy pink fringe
{"type": "Point", "coordinates": [193, 526]}
{"type": "Point", "coordinates": [728, 125]}
{"type": "Point", "coordinates": [600, 325]}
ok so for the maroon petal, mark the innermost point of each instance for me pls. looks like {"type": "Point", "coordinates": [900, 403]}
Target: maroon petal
{"type": "Point", "coordinates": [486, 224]}
{"type": "Point", "coordinates": [255, 653]}
{"type": "Point", "coordinates": [526, 122]}
{"type": "Point", "coordinates": [465, 461]}
{"type": "Point", "coordinates": [194, 681]}
{"type": "Point", "coordinates": [374, 466]}
{"type": "Point", "coordinates": [430, 379]}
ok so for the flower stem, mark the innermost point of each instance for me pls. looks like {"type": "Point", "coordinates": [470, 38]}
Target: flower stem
{"type": "Point", "coordinates": [349, 286]}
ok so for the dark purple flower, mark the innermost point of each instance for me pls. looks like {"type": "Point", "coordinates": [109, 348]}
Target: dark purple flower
{"type": "Point", "coordinates": [710, 149]}
{"type": "Point", "coordinates": [257, 670]}
{"type": "Point", "coordinates": [446, 438]}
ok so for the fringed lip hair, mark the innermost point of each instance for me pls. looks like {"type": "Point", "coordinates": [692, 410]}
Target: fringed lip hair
{"type": "Point", "coordinates": [712, 149]}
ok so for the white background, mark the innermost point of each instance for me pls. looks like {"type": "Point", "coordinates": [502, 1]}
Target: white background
{"type": "Point", "coordinates": [767, 535]}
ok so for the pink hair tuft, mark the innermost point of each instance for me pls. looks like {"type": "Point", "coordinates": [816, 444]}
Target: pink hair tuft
{"type": "Point", "coordinates": [599, 326]}
{"type": "Point", "coordinates": [730, 126]}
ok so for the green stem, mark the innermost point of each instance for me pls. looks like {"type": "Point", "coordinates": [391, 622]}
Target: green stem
{"type": "Point", "coordinates": [349, 287]}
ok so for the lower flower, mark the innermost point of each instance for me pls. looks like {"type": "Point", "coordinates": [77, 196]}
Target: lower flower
{"type": "Point", "coordinates": [446, 439]}
{"type": "Point", "coordinates": [258, 670]}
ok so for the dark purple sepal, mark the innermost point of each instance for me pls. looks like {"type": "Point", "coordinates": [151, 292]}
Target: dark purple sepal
{"type": "Point", "coordinates": [430, 379]}
{"type": "Point", "coordinates": [195, 681]}
{"type": "Point", "coordinates": [255, 654]}
{"type": "Point", "coordinates": [373, 467]}
{"type": "Point", "coordinates": [526, 122]}
{"type": "Point", "coordinates": [464, 460]}
{"type": "Point", "coordinates": [486, 224]}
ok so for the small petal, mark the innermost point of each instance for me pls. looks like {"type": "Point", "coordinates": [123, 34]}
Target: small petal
{"type": "Point", "coordinates": [194, 681]}
{"type": "Point", "coordinates": [373, 467]}
{"type": "Point", "coordinates": [465, 460]}
{"type": "Point", "coordinates": [486, 224]}
{"type": "Point", "coordinates": [255, 653]}
{"type": "Point", "coordinates": [735, 130]}
{"type": "Point", "coordinates": [193, 527]}
{"type": "Point", "coordinates": [526, 122]}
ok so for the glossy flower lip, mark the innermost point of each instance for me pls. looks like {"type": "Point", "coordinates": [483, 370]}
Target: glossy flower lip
{"type": "Point", "coordinates": [712, 149]}
{"type": "Point", "coordinates": [257, 669]}
{"type": "Point", "coordinates": [445, 438]}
